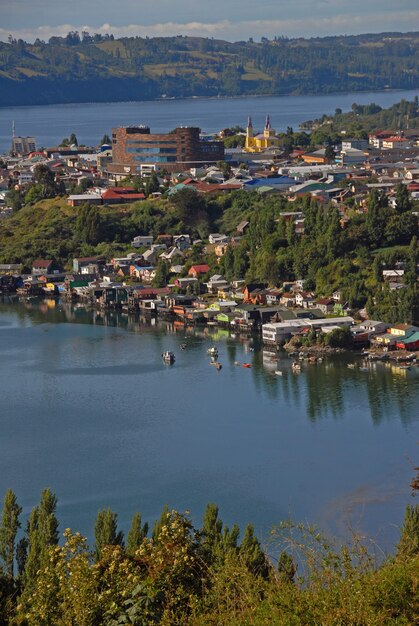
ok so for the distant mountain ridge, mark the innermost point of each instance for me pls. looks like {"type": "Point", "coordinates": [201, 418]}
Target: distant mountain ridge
{"type": "Point", "coordinates": [104, 69]}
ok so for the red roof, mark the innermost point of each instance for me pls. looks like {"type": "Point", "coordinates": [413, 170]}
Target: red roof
{"type": "Point", "coordinates": [112, 194]}
{"type": "Point", "coordinates": [199, 269]}
{"type": "Point", "coordinates": [396, 138]}
{"type": "Point", "coordinates": [41, 263]}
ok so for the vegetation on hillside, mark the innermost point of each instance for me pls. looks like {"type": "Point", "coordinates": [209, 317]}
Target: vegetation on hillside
{"type": "Point", "coordinates": [86, 68]}
{"type": "Point", "coordinates": [188, 576]}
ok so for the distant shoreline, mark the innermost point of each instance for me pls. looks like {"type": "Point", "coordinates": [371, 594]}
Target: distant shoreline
{"type": "Point", "coordinates": [201, 98]}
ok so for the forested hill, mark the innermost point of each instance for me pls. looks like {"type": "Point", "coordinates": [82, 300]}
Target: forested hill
{"type": "Point", "coordinates": [81, 68]}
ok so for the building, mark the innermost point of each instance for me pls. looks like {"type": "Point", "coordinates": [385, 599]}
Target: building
{"type": "Point", "coordinates": [22, 146]}
{"type": "Point", "coordinates": [262, 141]}
{"type": "Point", "coordinates": [136, 151]}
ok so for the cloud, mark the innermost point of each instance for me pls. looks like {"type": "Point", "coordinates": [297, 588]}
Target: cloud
{"type": "Point", "coordinates": [234, 31]}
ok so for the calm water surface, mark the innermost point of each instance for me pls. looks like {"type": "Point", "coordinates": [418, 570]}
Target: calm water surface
{"type": "Point", "coordinates": [50, 124]}
{"type": "Point", "coordinates": [89, 409]}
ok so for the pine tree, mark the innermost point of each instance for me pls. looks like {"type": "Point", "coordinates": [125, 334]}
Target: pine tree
{"type": "Point", "coordinates": [252, 553]}
{"type": "Point", "coordinates": [106, 532]}
{"type": "Point", "coordinates": [42, 532]}
{"type": "Point", "coordinates": [9, 526]}
{"type": "Point", "coordinates": [136, 534]}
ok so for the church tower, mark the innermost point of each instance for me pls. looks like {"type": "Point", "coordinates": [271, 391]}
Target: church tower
{"type": "Point", "coordinates": [249, 135]}
{"type": "Point", "coordinates": [268, 131]}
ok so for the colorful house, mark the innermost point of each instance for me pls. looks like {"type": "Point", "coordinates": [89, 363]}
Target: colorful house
{"type": "Point", "coordinates": [198, 270]}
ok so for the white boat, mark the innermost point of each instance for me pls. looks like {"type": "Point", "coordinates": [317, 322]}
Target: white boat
{"type": "Point", "coordinates": [213, 351]}
{"type": "Point", "coordinates": [168, 357]}
{"type": "Point", "coordinates": [278, 372]}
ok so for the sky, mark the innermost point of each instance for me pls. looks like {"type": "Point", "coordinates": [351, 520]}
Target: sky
{"type": "Point", "coordinates": [232, 20]}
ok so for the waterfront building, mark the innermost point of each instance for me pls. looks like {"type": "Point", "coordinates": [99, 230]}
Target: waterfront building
{"type": "Point", "coordinates": [136, 151]}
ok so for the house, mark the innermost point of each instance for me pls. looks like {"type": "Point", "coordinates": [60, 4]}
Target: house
{"type": "Point", "coordinates": [88, 265]}
{"type": "Point", "coordinates": [217, 238]}
{"type": "Point", "coordinates": [390, 143]}
{"type": "Point", "coordinates": [217, 282]}
{"type": "Point", "coordinates": [304, 299]}
{"type": "Point", "coordinates": [121, 195]}
{"type": "Point", "coordinates": [273, 296]}
{"type": "Point", "coordinates": [287, 299]}
{"type": "Point", "coordinates": [409, 343]}
{"type": "Point", "coordinates": [242, 227]}
{"type": "Point", "coordinates": [183, 283]}
{"type": "Point", "coordinates": [220, 249]}
{"type": "Point", "coordinates": [84, 198]}
{"type": "Point", "coordinates": [142, 240]}
{"type": "Point", "coordinates": [182, 242]}
{"type": "Point", "coordinates": [394, 276]}
{"type": "Point", "coordinates": [42, 266]}
{"type": "Point", "coordinates": [372, 326]}
{"type": "Point", "coordinates": [325, 305]}
{"type": "Point", "coordinates": [171, 254]}
{"type": "Point", "coordinates": [402, 330]}
{"type": "Point", "coordinates": [198, 270]}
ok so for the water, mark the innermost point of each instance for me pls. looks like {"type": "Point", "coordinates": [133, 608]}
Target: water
{"type": "Point", "coordinates": [50, 124]}
{"type": "Point", "coordinates": [89, 409]}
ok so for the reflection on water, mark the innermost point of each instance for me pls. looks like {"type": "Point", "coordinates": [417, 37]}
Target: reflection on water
{"type": "Point", "coordinates": [89, 408]}
{"type": "Point", "coordinates": [387, 390]}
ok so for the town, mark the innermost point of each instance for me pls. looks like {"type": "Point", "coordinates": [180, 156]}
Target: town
{"type": "Point", "coordinates": [195, 276]}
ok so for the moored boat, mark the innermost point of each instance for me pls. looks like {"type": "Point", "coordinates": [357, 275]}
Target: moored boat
{"type": "Point", "coordinates": [168, 357]}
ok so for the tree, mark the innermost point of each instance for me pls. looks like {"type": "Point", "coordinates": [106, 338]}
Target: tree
{"type": "Point", "coordinates": [42, 532]}
{"type": "Point", "coordinates": [252, 553]}
{"type": "Point", "coordinates": [14, 199]}
{"type": "Point", "coordinates": [89, 224]}
{"type": "Point", "coordinates": [9, 526]}
{"type": "Point", "coordinates": [403, 200]}
{"type": "Point", "coordinates": [162, 274]}
{"type": "Point", "coordinates": [106, 532]}
{"type": "Point", "coordinates": [136, 534]}
{"type": "Point", "coordinates": [73, 140]}
{"type": "Point", "coordinates": [46, 179]}
{"type": "Point", "coordinates": [329, 153]}
{"type": "Point", "coordinates": [152, 184]}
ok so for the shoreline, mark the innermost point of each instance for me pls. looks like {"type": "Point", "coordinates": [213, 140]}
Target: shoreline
{"type": "Point", "coordinates": [218, 97]}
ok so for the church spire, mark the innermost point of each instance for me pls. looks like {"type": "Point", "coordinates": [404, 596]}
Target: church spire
{"type": "Point", "coordinates": [249, 122]}
{"type": "Point", "coordinates": [267, 123]}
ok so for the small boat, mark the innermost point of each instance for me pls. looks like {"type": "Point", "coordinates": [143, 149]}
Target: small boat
{"type": "Point", "coordinates": [278, 372]}
{"type": "Point", "coordinates": [247, 365]}
{"type": "Point", "coordinates": [237, 363]}
{"type": "Point", "coordinates": [168, 357]}
{"type": "Point", "coordinates": [351, 366]}
{"type": "Point", "coordinates": [216, 364]}
{"type": "Point", "coordinates": [296, 367]}
{"type": "Point", "coordinates": [213, 351]}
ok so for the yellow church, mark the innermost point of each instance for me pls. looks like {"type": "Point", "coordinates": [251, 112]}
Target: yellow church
{"type": "Point", "coordinates": [262, 141]}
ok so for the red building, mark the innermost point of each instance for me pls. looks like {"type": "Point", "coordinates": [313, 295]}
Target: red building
{"type": "Point", "coordinates": [135, 150]}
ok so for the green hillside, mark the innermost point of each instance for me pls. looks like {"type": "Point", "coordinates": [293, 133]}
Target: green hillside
{"type": "Point", "coordinates": [97, 68]}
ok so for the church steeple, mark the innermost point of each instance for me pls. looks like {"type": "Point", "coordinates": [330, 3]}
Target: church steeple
{"type": "Point", "coordinates": [268, 131]}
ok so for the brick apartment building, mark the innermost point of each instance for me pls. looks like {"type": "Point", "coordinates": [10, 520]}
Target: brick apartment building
{"type": "Point", "coordinates": [136, 151]}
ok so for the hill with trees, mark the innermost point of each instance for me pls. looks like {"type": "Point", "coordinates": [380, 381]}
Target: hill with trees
{"type": "Point", "coordinates": [96, 68]}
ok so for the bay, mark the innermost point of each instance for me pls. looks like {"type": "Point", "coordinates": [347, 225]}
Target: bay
{"type": "Point", "coordinates": [50, 124]}
{"type": "Point", "coordinates": [89, 409]}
